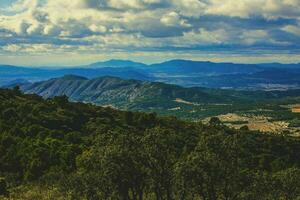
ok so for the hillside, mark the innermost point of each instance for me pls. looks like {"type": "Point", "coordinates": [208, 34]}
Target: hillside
{"type": "Point", "coordinates": [11, 73]}
{"type": "Point", "coordinates": [120, 93]}
{"type": "Point", "coordinates": [54, 149]}
{"type": "Point", "coordinates": [195, 104]}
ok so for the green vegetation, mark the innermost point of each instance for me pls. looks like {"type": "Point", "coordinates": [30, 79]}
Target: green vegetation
{"type": "Point", "coordinates": [185, 103]}
{"type": "Point", "coordinates": [56, 149]}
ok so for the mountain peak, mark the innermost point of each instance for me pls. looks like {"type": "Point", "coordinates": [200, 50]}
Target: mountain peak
{"type": "Point", "coordinates": [182, 62]}
{"type": "Point", "coordinates": [117, 63]}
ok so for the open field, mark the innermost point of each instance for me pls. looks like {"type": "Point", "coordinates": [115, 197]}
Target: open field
{"type": "Point", "coordinates": [257, 122]}
{"type": "Point", "coordinates": [296, 110]}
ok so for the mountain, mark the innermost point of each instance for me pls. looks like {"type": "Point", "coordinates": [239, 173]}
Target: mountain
{"type": "Point", "coordinates": [226, 75]}
{"type": "Point", "coordinates": [188, 67]}
{"type": "Point", "coordinates": [16, 82]}
{"type": "Point", "coordinates": [280, 65]}
{"type": "Point", "coordinates": [185, 73]}
{"type": "Point", "coordinates": [266, 79]}
{"type": "Point", "coordinates": [127, 94]}
{"type": "Point", "coordinates": [117, 64]}
{"type": "Point", "coordinates": [11, 73]}
{"type": "Point", "coordinates": [124, 72]}
{"type": "Point", "coordinates": [166, 99]}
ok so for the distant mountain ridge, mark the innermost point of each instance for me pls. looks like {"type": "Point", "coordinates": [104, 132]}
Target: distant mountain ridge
{"type": "Point", "coordinates": [186, 73]}
{"type": "Point", "coordinates": [116, 63]}
{"type": "Point", "coordinates": [136, 95]}
{"type": "Point", "coordinates": [188, 66]}
{"type": "Point", "coordinates": [118, 92]}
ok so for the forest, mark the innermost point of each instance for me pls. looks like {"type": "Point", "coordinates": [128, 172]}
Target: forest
{"type": "Point", "coordinates": [53, 149]}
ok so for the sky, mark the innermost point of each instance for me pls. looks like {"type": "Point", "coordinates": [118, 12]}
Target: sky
{"type": "Point", "coordinates": [72, 32]}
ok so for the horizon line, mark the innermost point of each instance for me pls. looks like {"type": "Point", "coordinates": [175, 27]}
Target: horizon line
{"type": "Point", "coordinates": [141, 62]}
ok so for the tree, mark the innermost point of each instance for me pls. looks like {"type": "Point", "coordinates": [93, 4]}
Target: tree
{"type": "Point", "coordinates": [17, 90]}
{"type": "Point", "coordinates": [244, 128]}
{"type": "Point", "coordinates": [287, 183]}
{"type": "Point", "coordinates": [214, 169]}
{"type": "Point", "coordinates": [129, 117]}
{"type": "Point", "coordinates": [215, 121]}
{"type": "Point", "coordinates": [118, 167]}
{"type": "Point", "coordinates": [61, 100]}
{"type": "Point", "coordinates": [159, 145]}
{"type": "Point", "coordinates": [3, 187]}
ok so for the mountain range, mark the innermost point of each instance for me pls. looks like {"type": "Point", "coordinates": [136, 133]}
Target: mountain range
{"type": "Point", "coordinates": [116, 92]}
{"type": "Point", "coordinates": [166, 99]}
{"type": "Point", "coordinates": [187, 73]}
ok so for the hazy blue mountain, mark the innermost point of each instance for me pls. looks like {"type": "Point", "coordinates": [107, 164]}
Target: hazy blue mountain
{"type": "Point", "coordinates": [283, 66]}
{"type": "Point", "coordinates": [188, 67]}
{"type": "Point", "coordinates": [117, 64]}
{"type": "Point", "coordinates": [16, 82]}
{"type": "Point", "coordinates": [10, 73]}
{"type": "Point", "coordinates": [180, 72]}
{"type": "Point", "coordinates": [256, 81]}
{"type": "Point", "coordinates": [123, 72]}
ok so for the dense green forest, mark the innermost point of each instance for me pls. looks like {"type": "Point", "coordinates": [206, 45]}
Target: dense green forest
{"type": "Point", "coordinates": [56, 149]}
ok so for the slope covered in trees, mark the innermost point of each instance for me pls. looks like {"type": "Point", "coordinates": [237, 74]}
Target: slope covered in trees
{"type": "Point", "coordinates": [120, 93]}
{"type": "Point", "coordinates": [55, 149]}
{"type": "Point", "coordinates": [165, 99]}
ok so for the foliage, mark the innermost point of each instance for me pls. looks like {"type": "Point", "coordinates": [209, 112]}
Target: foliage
{"type": "Point", "coordinates": [55, 149]}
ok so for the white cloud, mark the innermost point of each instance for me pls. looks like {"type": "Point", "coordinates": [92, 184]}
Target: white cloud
{"type": "Point", "coordinates": [247, 8]}
{"type": "Point", "coordinates": [292, 29]}
{"type": "Point", "coordinates": [250, 37]}
{"type": "Point", "coordinates": [34, 29]}
{"type": "Point", "coordinates": [51, 30]}
{"type": "Point", "coordinates": [193, 8]}
{"type": "Point", "coordinates": [140, 25]}
{"type": "Point", "coordinates": [22, 5]}
{"type": "Point", "coordinates": [11, 48]}
{"type": "Point", "coordinates": [173, 19]}
{"type": "Point", "coordinates": [97, 28]}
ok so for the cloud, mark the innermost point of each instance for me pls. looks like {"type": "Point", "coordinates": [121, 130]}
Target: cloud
{"type": "Point", "coordinates": [94, 26]}
{"type": "Point", "coordinates": [174, 19]}
{"type": "Point", "coordinates": [97, 28]}
{"type": "Point", "coordinates": [22, 5]}
{"type": "Point", "coordinates": [51, 30]}
{"type": "Point", "coordinates": [292, 29]}
{"type": "Point", "coordinates": [248, 8]}
{"type": "Point", "coordinates": [11, 48]}
{"type": "Point", "coordinates": [190, 8]}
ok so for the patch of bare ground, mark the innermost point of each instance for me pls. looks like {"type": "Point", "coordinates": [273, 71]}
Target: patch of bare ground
{"type": "Point", "coordinates": [178, 100]}
{"type": "Point", "coordinates": [296, 110]}
{"type": "Point", "coordinates": [256, 122]}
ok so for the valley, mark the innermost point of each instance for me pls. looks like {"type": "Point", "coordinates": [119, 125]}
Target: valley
{"type": "Point", "coordinates": [264, 97]}
{"type": "Point", "coordinates": [149, 100]}
{"type": "Point", "coordinates": [265, 111]}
